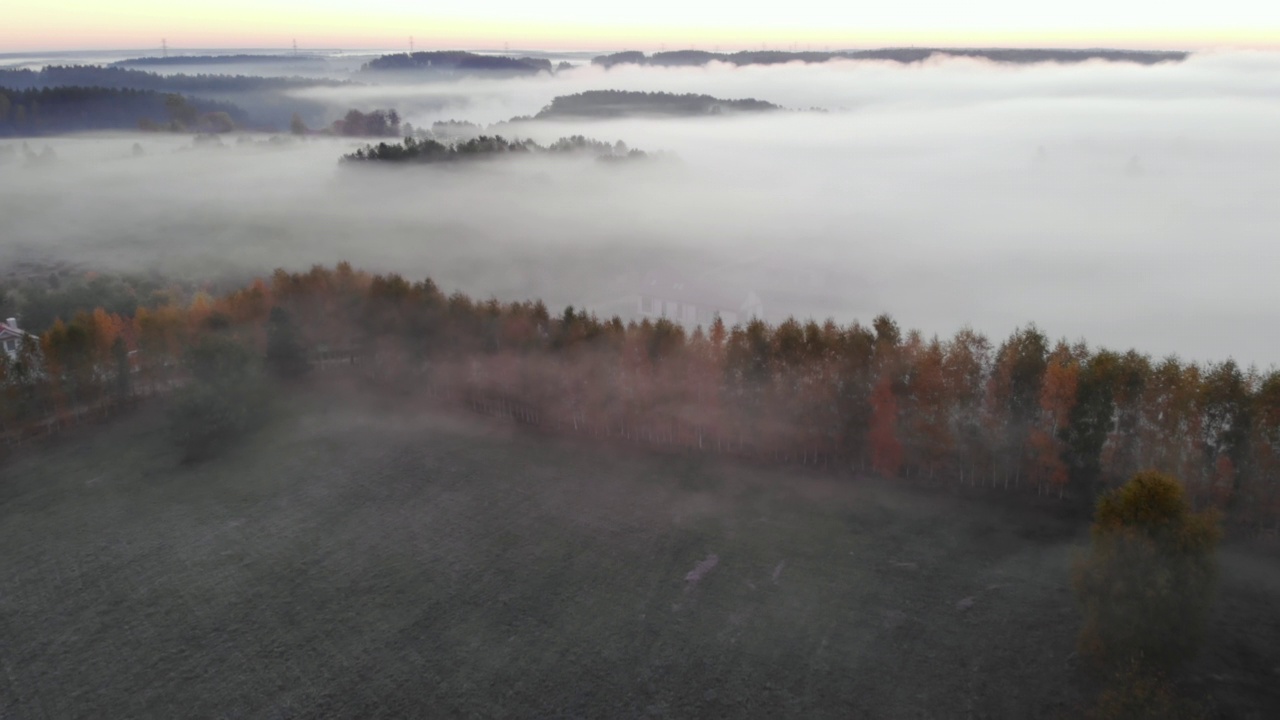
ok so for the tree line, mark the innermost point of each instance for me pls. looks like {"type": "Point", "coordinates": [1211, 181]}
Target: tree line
{"type": "Point", "coordinates": [119, 77]}
{"type": "Point", "coordinates": [1049, 417]}
{"type": "Point", "coordinates": [457, 62]}
{"type": "Point", "coordinates": [625, 103]}
{"type": "Point", "coordinates": [262, 101]}
{"type": "Point", "coordinates": [428, 150]}
{"type": "Point", "coordinates": [70, 109]}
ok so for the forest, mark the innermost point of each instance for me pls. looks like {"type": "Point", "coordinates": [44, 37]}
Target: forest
{"type": "Point", "coordinates": [42, 294]}
{"type": "Point", "coordinates": [624, 103]}
{"type": "Point", "coordinates": [1019, 56]}
{"type": "Point", "coordinates": [120, 77]}
{"type": "Point", "coordinates": [54, 110]}
{"type": "Point", "coordinates": [457, 62]}
{"type": "Point", "coordinates": [1026, 414]}
{"type": "Point", "coordinates": [414, 150]}
{"type": "Point", "coordinates": [265, 101]}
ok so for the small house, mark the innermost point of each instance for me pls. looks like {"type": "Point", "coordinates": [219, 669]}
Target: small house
{"type": "Point", "coordinates": [11, 337]}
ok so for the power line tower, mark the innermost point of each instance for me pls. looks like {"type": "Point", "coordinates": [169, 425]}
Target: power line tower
{"type": "Point", "coordinates": [410, 44]}
{"type": "Point", "coordinates": [164, 48]}
{"type": "Point", "coordinates": [295, 47]}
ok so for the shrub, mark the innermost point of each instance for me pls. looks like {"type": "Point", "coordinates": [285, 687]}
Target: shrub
{"type": "Point", "coordinates": [1147, 584]}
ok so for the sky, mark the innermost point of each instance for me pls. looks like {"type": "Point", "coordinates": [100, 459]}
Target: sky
{"type": "Point", "coordinates": [655, 24]}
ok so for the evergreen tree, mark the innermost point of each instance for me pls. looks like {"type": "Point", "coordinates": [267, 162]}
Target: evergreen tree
{"type": "Point", "coordinates": [285, 354]}
{"type": "Point", "coordinates": [223, 401]}
{"type": "Point", "coordinates": [123, 371]}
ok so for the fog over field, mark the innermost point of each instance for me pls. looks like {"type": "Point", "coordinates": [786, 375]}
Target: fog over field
{"type": "Point", "coordinates": [1128, 205]}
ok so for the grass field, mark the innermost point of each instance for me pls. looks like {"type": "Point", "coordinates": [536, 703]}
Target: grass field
{"type": "Point", "coordinates": [350, 562]}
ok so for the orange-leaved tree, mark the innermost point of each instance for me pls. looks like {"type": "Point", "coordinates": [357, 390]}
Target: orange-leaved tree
{"type": "Point", "coordinates": [886, 448]}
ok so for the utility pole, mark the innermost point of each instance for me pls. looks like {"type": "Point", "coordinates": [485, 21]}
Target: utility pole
{"type": "Point", "coordinates": [295, 47]}
{"type": "Point", "coordinates": [164, 47]}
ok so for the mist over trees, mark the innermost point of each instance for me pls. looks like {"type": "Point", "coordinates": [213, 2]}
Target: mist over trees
{"type": "Point", "coordinates": [71, 109]}
{"type": "Point", "coordinates": [261, 102]}
{"type": "Point", "coordinates": [424, 151]}
{"type": "Point", "coordinates": [43, 295]}
{"type": "Point", "coordinates": [979, 190]}
{"type": "Point", "coordinates": [376, 123]}
{"type": "Point", "coordinates": [1148, 583]}
{"type": "Point", "coordinates": [223, 397]}
{"type": "Point", "coordinates": [622, 103]}
{"type": "Point", "coordinates": [1026, 414]}
{"type": "Point", "coordinates": [120, 77]}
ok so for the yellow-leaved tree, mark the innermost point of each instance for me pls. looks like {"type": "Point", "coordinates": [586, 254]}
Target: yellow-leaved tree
{"type": "Point", "coordinates": [1147, 584]}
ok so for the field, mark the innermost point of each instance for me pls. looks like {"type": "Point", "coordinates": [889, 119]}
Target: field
{"type": "Point", "coordinates": [350, 561]}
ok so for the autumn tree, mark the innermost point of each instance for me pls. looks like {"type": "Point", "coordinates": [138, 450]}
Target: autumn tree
{"type": "Point", "coordinates": [886, 448]}
{"type": "Point", "coordinates": [1261, 497]}
{"type": "Point", "coordinates": [1016, 388]}
{"type": "Point", "coordinates": [1057, 398]}
{"type": "Point", "coordinates": [855, 371]}
{"type": "Point", "coordinates": [928, 400]}
{"type": "Point", "coordinates": [1227, 418]}
{"type": "Point", "coordinates": [1091, 419]}
{"type": "Point", "coordinates": [1147, 583]}
{"type": "Point", "coordinates": [966, 369]}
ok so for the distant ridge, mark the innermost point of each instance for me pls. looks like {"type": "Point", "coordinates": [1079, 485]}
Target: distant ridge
{"type": "Point", "coordinates": [457, 62]}
{"type": "Point", "coordinates": [121, 77]}
{"type": "Point", "coordinates": [679, 58]}
{"type": "Point", "coordinates": [217, 60]}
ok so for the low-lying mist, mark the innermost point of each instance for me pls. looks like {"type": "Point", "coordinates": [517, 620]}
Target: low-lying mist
{"type": "Point", "coordinates": [1131, 206]}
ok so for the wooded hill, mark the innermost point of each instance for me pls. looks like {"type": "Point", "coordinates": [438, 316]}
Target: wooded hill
{"type": "Point", "coordinates": [266, 102]}
{"type": "Point", "coordinates": [72, 109]}
{"type": "Point", "coordinates": [119, 77]}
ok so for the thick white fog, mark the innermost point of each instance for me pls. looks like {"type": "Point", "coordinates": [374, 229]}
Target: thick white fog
{"type": "Point", "coordinates": [1127, 205]}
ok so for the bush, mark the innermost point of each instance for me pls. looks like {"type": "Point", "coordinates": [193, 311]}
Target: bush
{"type": "Point", "coordinates": [1147, 584]}
{"type": "Point", "coordinates": [224, 400]}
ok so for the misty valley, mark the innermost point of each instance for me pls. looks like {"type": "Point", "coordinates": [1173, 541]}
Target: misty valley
{"type": "Point", "coordinates": [901, 382]}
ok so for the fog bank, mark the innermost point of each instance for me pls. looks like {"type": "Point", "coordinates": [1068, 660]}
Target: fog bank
{"type": "Point", "coordinates": [1130, 206]}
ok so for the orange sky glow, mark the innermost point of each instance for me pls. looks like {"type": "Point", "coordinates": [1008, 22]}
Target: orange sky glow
{"type": "Point", "coordinates": [577, 24]}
